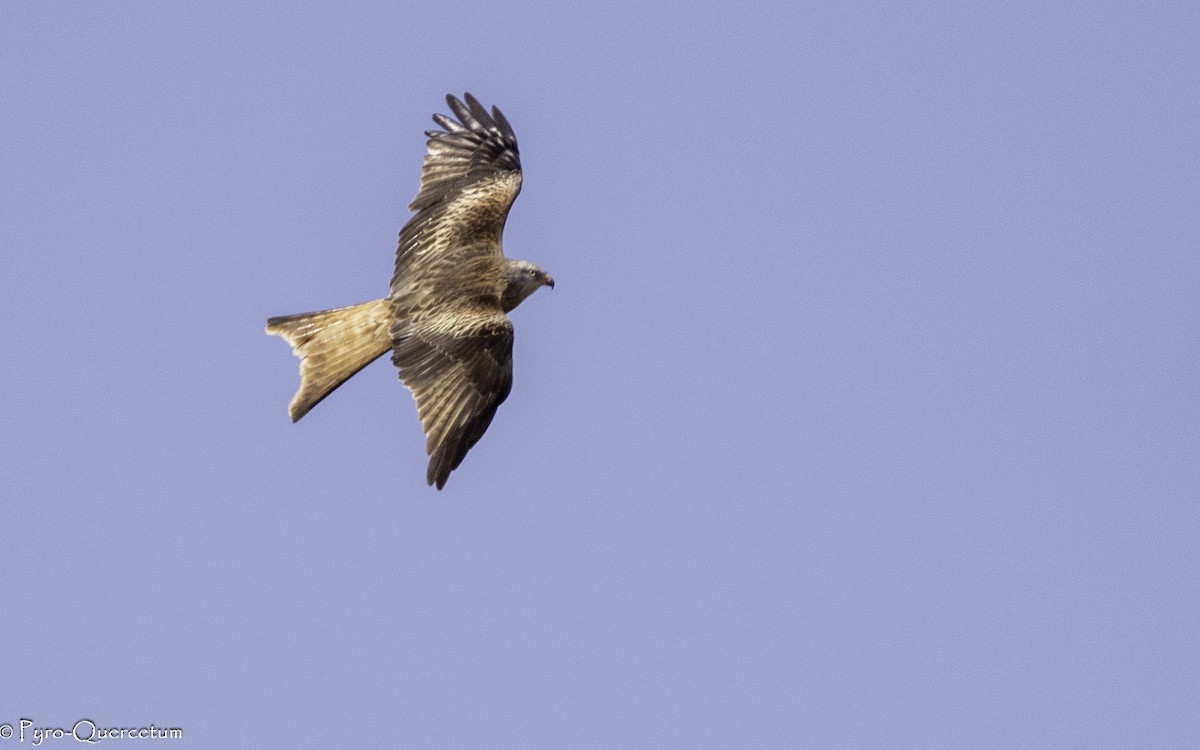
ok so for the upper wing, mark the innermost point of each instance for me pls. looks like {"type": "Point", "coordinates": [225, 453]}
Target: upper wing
{"type": "Point", "coordinates": [458, 365]}
{"type": "Point", "coordinates": [471, 176]}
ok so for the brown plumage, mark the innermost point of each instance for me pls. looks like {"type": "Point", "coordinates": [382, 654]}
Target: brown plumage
{"type": "Point", "coordinates": [444, 319]}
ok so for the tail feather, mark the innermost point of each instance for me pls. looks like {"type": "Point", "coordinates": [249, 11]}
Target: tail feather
{"type": "Point", "coordinates": [332, 346]}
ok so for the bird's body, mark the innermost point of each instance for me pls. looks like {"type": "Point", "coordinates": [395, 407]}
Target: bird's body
{"type": "Point", "coordinates": [444, 319]}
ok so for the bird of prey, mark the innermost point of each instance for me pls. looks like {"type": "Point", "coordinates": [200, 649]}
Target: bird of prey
{"type": "Point", "coordinates": [444, 319]}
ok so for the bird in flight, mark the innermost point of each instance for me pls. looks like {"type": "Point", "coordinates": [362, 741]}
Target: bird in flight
{"type": "Point", "coordinates": [445, 317]}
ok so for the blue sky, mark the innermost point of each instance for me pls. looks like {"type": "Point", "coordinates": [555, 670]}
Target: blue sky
{"type": "Point", "coordinates": [864, 412]}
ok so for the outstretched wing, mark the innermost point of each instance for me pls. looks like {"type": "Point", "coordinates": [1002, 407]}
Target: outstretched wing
{"type": "Point", "coordinates": [450, 337]}
{"type": "Point", "coordinates": [458, 366]}
{"type": "Point", "coordinates": [471, 176]}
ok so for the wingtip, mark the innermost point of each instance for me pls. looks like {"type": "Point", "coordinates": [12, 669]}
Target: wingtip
{"type": "Point", "coordinates": [502, 122]}
{"type": "Point", "coordinates": [438, 471]}
{"type": "Point", "coordinates": [297, 409]}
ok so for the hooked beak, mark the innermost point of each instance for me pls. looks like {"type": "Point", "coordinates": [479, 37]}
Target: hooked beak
{"type": "Point", "coordinates": [549, 281]}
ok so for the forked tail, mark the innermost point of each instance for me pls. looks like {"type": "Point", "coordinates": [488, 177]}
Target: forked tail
{"type": "Point", "coordinates": [332, 345]}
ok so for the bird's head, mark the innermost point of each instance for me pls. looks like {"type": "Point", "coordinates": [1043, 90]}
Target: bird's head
{"type": "Point", "coordinates": [524, 278]}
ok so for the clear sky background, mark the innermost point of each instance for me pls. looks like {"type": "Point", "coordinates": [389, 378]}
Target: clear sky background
{"type": "Point", "coordinates": [864, 413]}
